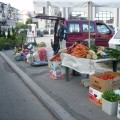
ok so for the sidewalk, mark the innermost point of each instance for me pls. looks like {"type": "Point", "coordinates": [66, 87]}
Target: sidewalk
{"type": "Point", "coordinates": [72, 95]}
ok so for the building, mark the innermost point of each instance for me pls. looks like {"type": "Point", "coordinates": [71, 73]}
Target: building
{"type": "Point", "coordinates": [78, 10]}
{"type": "Point", "coordinates": [24, 16]}
{"type": "Point", "coordinates": [8, 16]}
{"type": "Point", "coordinates": [108, 15]}
{"type": "Point", "coordinates": [45, 8]}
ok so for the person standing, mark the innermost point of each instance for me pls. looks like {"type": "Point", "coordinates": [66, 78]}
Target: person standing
{"type": "Point", "coordinates": [62, 36]}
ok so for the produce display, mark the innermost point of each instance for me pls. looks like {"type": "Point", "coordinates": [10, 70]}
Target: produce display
{"type": "Point", "coordinates": [56, 58]}
{"type": "Point", "coordinates": [91, 55]}
{"type": "Point", "coordinates": [79, 51]}
{"type": "Point", "coordinates": [113, 53]}
{"type": "Point", "coordinates": [106, 77]}
{"type": "Point", "coordinates": [101, 52]}
{"type": "Point", "coordinates": [82, 51]}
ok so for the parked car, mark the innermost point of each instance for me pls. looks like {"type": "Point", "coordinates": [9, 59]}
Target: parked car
{"type": "Point", "coordinates": [78, 32]}
{"type": "Point", "coordinates": [114, 42]}
{"type": "Point", "coordinates": [46, 32]}
{"type": "Point", "coordinates": [40, 33]}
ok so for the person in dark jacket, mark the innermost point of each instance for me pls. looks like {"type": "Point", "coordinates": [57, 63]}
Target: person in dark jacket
{"type": "Point", "coordinates": [62, 35]}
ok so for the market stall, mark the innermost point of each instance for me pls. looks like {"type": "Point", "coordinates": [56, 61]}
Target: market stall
{"type": "Point", "coordinates": [34, 55]}
{"type": "Point", "coordinates": [83, 65]}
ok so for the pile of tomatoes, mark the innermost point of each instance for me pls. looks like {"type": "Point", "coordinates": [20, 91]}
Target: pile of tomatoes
{"type": "Point", "coordinates": [106, 77]}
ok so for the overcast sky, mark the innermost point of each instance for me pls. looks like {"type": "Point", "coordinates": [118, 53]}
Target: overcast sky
{"type": "Point", "coordinates": [20, 4]}
{"type": "Point", "coordinates": [28, 4]}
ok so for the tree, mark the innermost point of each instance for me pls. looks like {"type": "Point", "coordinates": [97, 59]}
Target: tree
{"type": "Point", "coordinates": [20, 25]}
{"type": "Point", "coordinates": [29, 21]}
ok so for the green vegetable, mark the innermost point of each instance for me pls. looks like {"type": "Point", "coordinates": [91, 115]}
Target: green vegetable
{"type": "Point", "coordinates": [111, 96]}
{"type": "Point", "coordinates": [113, 53]}
{"type": "Point", "coordinates": [94, 48]}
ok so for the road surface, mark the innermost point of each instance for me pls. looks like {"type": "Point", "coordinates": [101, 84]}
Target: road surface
{"type": "Point", "coordinates": [17, 102]}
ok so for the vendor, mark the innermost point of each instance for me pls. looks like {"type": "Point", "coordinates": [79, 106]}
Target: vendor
{"type": "Point", "coordinates": [62, 35]}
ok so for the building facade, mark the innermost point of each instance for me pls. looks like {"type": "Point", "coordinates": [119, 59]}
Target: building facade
{"type": "Point", "coordinates": [107, 14]}
{"type": "Point", "coordinates": [8, 16]}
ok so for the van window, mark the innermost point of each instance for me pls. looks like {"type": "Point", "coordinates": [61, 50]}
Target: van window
{"type": "Point", "coordinates": [73, 27]}
{"type": "Point", "coordinates": [117, 36]}
{"type": "Point", "coordinates": [85, 27]}
{"type": "Point", "coordinates": [103, 29]}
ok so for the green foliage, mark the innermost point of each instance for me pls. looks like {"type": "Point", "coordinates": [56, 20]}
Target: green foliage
{"type": "Point", "coordinates": [20, 25]}
{"type": "Point", "coordinates": [36, 23]}
{"type": "Point", "coordinates": [113, 53]}
{"type": "Point", "coordinates": [8, 34]}
{"type": "Point", "coordinates": [94, 48]}
{"type": "Point", "coordinates": [15, 39]}
{"type": "Point", "coordinates": [21, 38]}
{"type": "Point", "coordinates": [4, 43]}
{"type": "Point", "coordinates": [29, 21]}
{"type": "Point", "coordinates": [111, 96]}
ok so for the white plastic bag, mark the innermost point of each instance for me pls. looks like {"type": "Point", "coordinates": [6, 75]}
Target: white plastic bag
{"type": "Point", "coordinates": [50, 53]}
{"type": "Point", "coordinates": [62, 45]}
{"type": "Point", "coordinates": [36, 57]}
{"type": "Point", "coordinates": [29, 58]}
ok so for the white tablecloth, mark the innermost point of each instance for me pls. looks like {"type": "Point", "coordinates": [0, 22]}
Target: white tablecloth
{"type": "Point", "coordinates": [81, 65]}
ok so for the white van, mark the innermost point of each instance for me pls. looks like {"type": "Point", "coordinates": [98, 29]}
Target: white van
{"type": "Point", "coordinates": [114, 42]}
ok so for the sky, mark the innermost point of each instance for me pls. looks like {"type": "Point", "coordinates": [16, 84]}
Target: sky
{"type": "Point", "coordinates": [20, 4]}
{"type": "Point", "coordinates": [28, 4]}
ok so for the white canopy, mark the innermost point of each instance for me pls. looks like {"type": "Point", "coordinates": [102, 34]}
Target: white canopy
{"type": "Point", "coordinates": [79, 3]}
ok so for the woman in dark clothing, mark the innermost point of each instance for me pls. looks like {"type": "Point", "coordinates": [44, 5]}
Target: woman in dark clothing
{"type": "Point", "coordinates": [62, 35]}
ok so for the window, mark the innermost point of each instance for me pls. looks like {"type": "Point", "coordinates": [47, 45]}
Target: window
{"type": "Point", "coordinates": [85, 27]}
{"type": "Point", "coordinates": [105, 16]}
{"type": "Point", "coordinates": [103, 29]}
{"type": "Point", "coordinates": [73, 28]}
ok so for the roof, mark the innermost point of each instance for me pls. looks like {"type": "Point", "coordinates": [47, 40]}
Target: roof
{"type": "Point", "coordinates": [48, 17]}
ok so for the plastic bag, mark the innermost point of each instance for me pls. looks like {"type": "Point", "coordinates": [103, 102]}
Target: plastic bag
{"type": "Point", "coordinates": [42, 54]}
{"type": "Point", "coordinates": [62, 45]}
{"type": "Point", "coordinates": [49, 53]}
{"type": "Point", "coordinates": [36, 57]}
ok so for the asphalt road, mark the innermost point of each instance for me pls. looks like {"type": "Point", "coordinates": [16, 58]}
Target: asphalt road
{"type": "Point", "coordinates": [17, 102]}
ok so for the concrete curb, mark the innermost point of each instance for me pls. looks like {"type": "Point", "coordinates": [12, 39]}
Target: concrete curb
{"type": "Point", "coordinates": [48, 101]}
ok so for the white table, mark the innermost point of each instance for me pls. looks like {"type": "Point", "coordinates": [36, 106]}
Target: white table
{"type": "Point", "coordinates": [83, 65]}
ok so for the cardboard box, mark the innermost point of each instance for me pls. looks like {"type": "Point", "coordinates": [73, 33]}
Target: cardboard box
{"type": "Point", "coordinates": [116, 83]}
{"type": "Point", "coordinates": [104, 85]}
{"type": "Point", "coordinates": [95, 96]}
{"type": "Point", "coordinates": [54, 64]}
{"type": "Point", "coordinates": [59, 74]}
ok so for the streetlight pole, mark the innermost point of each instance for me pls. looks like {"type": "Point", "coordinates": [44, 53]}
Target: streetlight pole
{"type": "Point", "coordinates": [89, 14]}
{"type": "Point", "coordinates": [49, 13]}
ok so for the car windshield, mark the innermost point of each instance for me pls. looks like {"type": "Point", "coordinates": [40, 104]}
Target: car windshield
{"type": "Point", "coordinates": [117, 36]}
